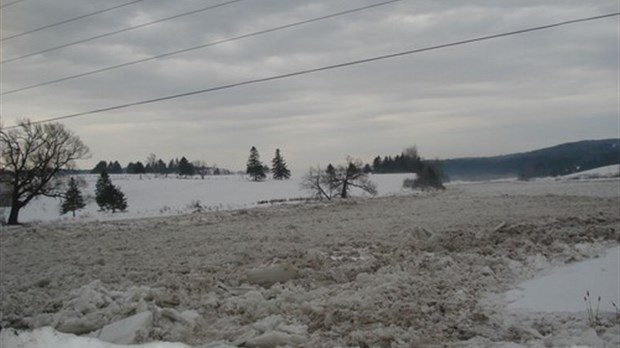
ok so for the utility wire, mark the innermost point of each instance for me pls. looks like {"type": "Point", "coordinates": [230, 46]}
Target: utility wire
{"type": "Point", "coordinates": [120, 31]}
{"type": "Point", "coordinates": [168, 54]}
{"type": "Point", "coordinates": [214, 43]}
{"type": "Point", "coordinates": [325, 68]}
{"type": "Point", "coordinates": [11, 3]}
{"type": "Point", "coordinates": [69, 20]}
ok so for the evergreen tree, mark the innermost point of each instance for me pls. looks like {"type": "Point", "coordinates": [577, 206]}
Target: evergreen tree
{"type": "Point", "coordinates": [279, 169]}
{"type": "Point", "coordinates": [131, 168]}
{"type": "Point", "coordinates": [108, 196]}
{"type": "Point", "coordinates": [73, 199]}
{"type": "Point", "coordinates": [101, 190]}
{"type": "Point", "coordinates": [185, 168]}
{"type": "Point", "coordinates": [114, 168]}
{"type": "Point", "coordinates": [255, 169]}
{"type": "Point", "coordinates": [330, 180]}
{"type": "Point", "coordinates": [377, 165]}
{"type": "Point", "coordinates": [100, 167]}
{"type": "Point", "coordinates": [140, 168]}
{"type": "Point", "coordinates": [119, 201]}
{"type": "Point", "coordinates": [161, 167]}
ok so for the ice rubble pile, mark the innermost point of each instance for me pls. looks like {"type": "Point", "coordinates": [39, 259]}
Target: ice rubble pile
{"type": "Point", "coordinates": [119, 317]}
{"type": "Point", "coordinates": [425, 287]}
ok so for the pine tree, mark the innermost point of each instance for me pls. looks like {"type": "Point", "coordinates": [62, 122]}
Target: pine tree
{"type": "Point", "coordinates": [185, 168]}
{"type": "Point", "coordinates": [108, 196]}
{"type": "Point", "coordinates": [102, 191]}
{"type": "Point", "coordinates": [118, 200]}
{"type": "Point", "coordinates": [114, 168]}
{"type": "Point", "coordinates": [255, 169]}
{"type": "Point", "coordinates": [100, 167]}
{"type": "Point", "coordinates": [330, 180]}
{"type": "Point", "coordinates": [279, 169]}
{"type": "Point", "coordinates": [140, 168]}
{"type": "Point", "coordinates": [131, 168]}
{"type": "Point", "coordinates": [73, 199]}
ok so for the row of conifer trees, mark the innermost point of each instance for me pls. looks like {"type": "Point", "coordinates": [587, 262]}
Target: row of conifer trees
{"type": "Point", "coordinates": [108, 196]}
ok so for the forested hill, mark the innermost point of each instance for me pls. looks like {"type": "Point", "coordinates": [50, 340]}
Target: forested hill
{"type": "Point", "coordinates": [552, 161]}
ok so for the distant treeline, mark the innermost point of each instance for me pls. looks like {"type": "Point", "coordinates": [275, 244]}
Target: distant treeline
{"type": "Point", "coordinates": [406, 162]}
{"type": "Point", "coordinates": [552, 161]}
{"type": "Point", "coordinates": [154, 165]}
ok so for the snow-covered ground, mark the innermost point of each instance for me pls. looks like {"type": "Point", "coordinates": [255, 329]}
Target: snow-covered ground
{"type": "Point", "coordinates": [468, 267]}
{"type": "Point", "coordinates": [612, 171]}
{"type": "Point", "coordinates": [150, 196]}
{"type": "Point", "coordinates": [556, 289]}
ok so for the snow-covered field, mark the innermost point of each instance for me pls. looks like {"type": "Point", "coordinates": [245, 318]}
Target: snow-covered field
{"type": "Point", "coordinates": [152, 196]}
{"type": "Point", "coordinates": [461, 268]}
{"type": "Point", "coordinates": [149, 196]}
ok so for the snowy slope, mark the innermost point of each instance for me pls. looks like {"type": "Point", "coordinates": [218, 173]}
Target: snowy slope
{"type": "Point", "coordinates": [601, 172]}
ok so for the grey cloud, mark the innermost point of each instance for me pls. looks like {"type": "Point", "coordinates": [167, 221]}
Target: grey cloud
{"type": "Point", "coordinates": [486, 98]}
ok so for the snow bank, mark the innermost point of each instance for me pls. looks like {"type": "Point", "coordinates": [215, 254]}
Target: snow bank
{"type": "Point", "coordinates": [562, 289]}
{"type": "Point", "coordinates": [47, 337]}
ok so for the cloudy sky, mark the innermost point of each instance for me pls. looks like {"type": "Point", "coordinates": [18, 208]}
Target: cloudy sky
{"type": "Point", "coordinates": [511, 94]}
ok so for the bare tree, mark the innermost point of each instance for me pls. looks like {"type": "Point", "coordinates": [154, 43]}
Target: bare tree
{"type": "Point", "coordinates": [201, 168]}
{"type": "Point", "coordinates": [32, 157]}
{"type": "Point", "coordinates": [338, 181]}
{"type": "Point", "coordinates": [352, 175]}
{"type": "Point", "coordinates": [314, 182]}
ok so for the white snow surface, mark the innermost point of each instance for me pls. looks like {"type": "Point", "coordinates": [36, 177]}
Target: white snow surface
{"type": "Point", "coordinates": [562, 289]}
{"type": "Point", "coordinates": [47, 337]}
{"type": "Point", "coordinates": [149, 196]}
{"type": "Point", "coordinates": [601, 172]}
{"type": "Point", "coordinates": [152, 196]}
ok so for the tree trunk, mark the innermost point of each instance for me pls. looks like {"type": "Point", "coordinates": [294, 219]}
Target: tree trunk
{"type": "Point", "coordinates": [345, 188]}
{"type": "Point", "coordinates": [14, 214]}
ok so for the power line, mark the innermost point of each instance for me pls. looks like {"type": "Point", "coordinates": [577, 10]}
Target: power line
{"type": "Point", "coordinates": [328, 67]}
{"type": "Point", "coordinates": [214, 43]}
{"type": "Point", "coordinates": [69, 20]}
{"type": "Point", "coordinates": [120, 31]}
{"type": "Point", "coordinates": [11, 3]}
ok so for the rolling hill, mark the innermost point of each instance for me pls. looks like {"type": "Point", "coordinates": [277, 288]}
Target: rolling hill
{"type": "Point", "coordinates": [557, 160]}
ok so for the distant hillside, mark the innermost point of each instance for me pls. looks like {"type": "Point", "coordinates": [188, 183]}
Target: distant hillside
{"type": "Point", "coordinates": [552, 161]}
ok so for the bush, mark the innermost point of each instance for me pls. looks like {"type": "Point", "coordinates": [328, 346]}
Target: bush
{"type": "Point", "coordinates": [428, 178]}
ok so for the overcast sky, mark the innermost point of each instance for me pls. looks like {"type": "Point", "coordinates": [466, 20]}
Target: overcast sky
{"type": "Point", "coordinates": [511, 94]}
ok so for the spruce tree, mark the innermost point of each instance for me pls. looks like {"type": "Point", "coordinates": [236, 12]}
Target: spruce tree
{"type": "Point", "coordinates": [140, 168]}
{"type": "Point", "coordinates": [114, 168]}
{"type": "Point", "coordinates": [279, 169]}
{"type": "Point", "coordinates": [255, 169]}
{"type": "Point", "coordinates": [185, 168]}
{"type": "Point", "coordinates": [73, 199]}
{"type": "Point", "coordinates": [102, 191]}
{"type": "Point", "coordinates": [108, 196]}
{"type": "Point", "coordinates": [100, 167]}
{"type": "Point", "coordinates": [118, 200]}
{"type": "Point", "coordinates": [330, 180]}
